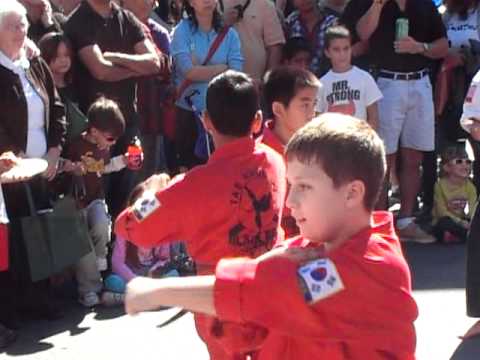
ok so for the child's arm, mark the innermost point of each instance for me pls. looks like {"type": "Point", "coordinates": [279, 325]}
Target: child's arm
{"type": "Point", "coordinates": [194, 293]}
{"type": "Point", "coordinates": [7, 161]}
{"type": "Point", "coordinates": [372, 116]}
{"type": "Point", "coordinates": [116, 163]}
{"type": "Point", "coordinates": [119, 265]}
{"type": "Point", "coordinates": [372, 96]}
{"type": "Point", "coordinates": [158, 209]}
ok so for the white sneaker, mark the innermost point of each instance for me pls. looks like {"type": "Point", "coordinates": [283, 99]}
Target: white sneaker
{"type": "Point", "coordinates": [112, 299]}
{"type": "Point", "coordinates": [102, 264]}
{"type": "Point", "coordinates": [414, 233]}
{"type": "Point", "coordinates": [89, 299]}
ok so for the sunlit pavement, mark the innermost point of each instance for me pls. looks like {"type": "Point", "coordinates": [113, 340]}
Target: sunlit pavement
{"type": "Point", "coordinates": [438, 276]}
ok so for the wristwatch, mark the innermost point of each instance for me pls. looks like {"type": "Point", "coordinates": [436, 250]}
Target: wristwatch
{"type": "Point", "coordinates": [426, 47]}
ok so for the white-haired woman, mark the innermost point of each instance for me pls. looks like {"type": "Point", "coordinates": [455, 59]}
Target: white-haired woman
{"type": "Point", "coordinates": [32, 125]}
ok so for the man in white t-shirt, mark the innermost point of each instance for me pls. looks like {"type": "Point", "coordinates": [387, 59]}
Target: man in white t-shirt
{"type": "Point", "coordinates": [348, 89]}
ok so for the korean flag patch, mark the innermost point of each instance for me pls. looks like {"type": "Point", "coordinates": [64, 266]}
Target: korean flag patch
{"type": "Point", "coordinates": [319, 279]}
{"type": "Point", "coordinates": [145, 205]}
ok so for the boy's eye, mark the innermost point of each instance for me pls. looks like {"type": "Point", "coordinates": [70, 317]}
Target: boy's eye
{"type": "Point", "coordinates": [303, 187]}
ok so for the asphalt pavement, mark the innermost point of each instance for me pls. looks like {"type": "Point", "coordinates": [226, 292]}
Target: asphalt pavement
{"type": "Point", "coordinates": [438, 273]}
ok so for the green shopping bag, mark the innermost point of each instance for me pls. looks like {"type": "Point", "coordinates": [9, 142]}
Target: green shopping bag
{"type": "Point", "coordinates": [55, 238]}
{"type": "Point", "coordinates": [77, 121]}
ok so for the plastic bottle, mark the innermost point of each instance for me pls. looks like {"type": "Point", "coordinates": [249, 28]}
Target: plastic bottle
{"type": "Point", "coordinates": [135, 154]}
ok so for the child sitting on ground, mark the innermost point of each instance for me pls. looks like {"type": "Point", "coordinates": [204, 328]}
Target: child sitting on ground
{"type": "Point", "coordinates": [348, 89]}
{"type": "Point", "coordinates": [454, 197]}
{"type": "Point", "coordinates": [341, 290]}
{"type": "Point", "coordinates": [129, 261]}
{"type": "Point", "coordinates": [88, 159]}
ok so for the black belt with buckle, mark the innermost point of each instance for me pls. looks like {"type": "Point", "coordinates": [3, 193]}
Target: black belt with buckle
{"type": "Point", "coordinates": [403, 76]}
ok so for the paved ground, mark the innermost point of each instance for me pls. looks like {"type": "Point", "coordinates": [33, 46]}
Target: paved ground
{"type": "Point", "coordinates": [104, 334]}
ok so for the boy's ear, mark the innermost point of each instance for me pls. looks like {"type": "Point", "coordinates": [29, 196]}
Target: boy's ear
{"type": "Point", "coordinates": [278, 109]}
{"type": "Point", "coordinates": [327, 53]}
{"type": "Point", "coordinates": [257, 123]}
{"type": "Point", "coordinates": [355, 193]}
{"type": "Point", "coordinates": [207, 122]}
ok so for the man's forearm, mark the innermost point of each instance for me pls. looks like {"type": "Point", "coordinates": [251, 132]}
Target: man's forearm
{"type": "Point", "coordinates": [274, 56]}
{"type": "Point", "coordinates": [368, 23]}
{"type": "Point", "coordinates": [142, 64]}
{"type": "Point", "coordinates": [115, 73]}
{"type": "Point", "coordinates": [438, 49]}
{"type": "Point", "coordinates": [205, 72]}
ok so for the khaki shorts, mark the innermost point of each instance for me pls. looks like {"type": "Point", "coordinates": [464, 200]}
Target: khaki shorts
{"type": "Point", "coordinates": [406, 114]}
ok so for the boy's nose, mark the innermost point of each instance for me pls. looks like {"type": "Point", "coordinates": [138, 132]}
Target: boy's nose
{"type": "Point", "coordinates": [290, 200]}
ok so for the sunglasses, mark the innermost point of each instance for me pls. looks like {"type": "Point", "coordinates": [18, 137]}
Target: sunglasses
{"type": "Point", "coordinates": [461, 161]}
{"type": "Point", "coordinates": [109, 138]}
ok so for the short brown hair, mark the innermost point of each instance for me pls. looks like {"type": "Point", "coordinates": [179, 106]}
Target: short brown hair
{"type": "Point", "coordinates": [105, 115]}
{"type": "Point", "coordinates": [346, 148]}
{"type": "Point", "coordinates": [336, 32]}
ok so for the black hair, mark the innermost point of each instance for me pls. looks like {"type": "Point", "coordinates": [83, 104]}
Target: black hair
{"type": "Point", "coordinates": [284, 82]}
{"type": "Point", "coordinates": [232, 102]}
{"type": "Point", "coordinates": [461, 7]}
{"type": "Point", "coordinates": [217, 20]}
{"type": "Point", "coordinates": [293, 46]}
{"type": "Point", "coordinates": [336, 32]}
{"type": "Point", "coordinates": [49, 44]}
{"type": "Point", "coordinates": [105, 115]}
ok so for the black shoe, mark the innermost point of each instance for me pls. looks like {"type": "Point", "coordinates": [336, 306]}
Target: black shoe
{"type": "Point", "coordinates": [7, 337]}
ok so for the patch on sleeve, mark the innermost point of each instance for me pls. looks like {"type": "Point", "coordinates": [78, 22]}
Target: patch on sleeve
{"type": "Point", "coordinates": [145, 206]}
{"type": "Point", "coordinates": [319, 279]}
{"type": "Point", "coordinates": [470, 94]}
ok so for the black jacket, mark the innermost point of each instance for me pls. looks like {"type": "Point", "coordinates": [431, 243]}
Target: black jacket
{"type": "Point", "coordinates": [14, 113]}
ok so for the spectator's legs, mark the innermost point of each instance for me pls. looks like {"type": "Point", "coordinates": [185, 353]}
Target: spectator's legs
{"type": "Point", "coordinates": [409, 180]}
{"type": "Point", "coordinates": [100, 227]}
{"type": "Point", "coordinates": [473, 266]}
{"type": "Point", "coordinates": [125, 179]}
{"type": "Point", "coordinates": [476, 164]}
{"type": "Point", "coordinates": [391, 110]}
{"type": "Point", "coordinates": [154, 155]}
{"type": "Point", "coordinates": [186, 135]}
{"type": "Point", "coordinates": [88, 277]}
{"type": "Point", "coordinates": [429, 177]}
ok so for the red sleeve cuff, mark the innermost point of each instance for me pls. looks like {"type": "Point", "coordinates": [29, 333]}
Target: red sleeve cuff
{"type": "Point", "coordinates": [230, 275]}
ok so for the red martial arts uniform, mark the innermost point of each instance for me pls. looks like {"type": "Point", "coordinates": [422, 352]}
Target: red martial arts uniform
{"type": "Point", "coordinates": [229, 207]}
{"type": "Point", "coordinates": [356, 304]}
{"type": "Point", "coordinates": [269, 138]}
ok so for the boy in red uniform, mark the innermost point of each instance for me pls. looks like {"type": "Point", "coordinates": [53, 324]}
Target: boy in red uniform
{"type": "Point", "coordinates": [229, 207]}
{"type": "Point", "coordinates": [342, 289]}
{"type": "Point", "coordinates": [290, 95]}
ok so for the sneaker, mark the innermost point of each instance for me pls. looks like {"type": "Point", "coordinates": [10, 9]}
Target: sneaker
{"type": "Point", "coordinates": [449, 238]}
{"type": "Point", "coordinates": [109, 298]}
{"type": "Point", "coordinates": [414, 233]}
{"type": "Point", "coordinates": [7, 337]}
{"type": "Point", "coordinates": [102, 264]}
{"type": "Point", "coordinates": [89, 299]}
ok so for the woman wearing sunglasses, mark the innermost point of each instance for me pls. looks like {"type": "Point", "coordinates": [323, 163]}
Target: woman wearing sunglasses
{"type": "Point", "coordinates": [454, 197]}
